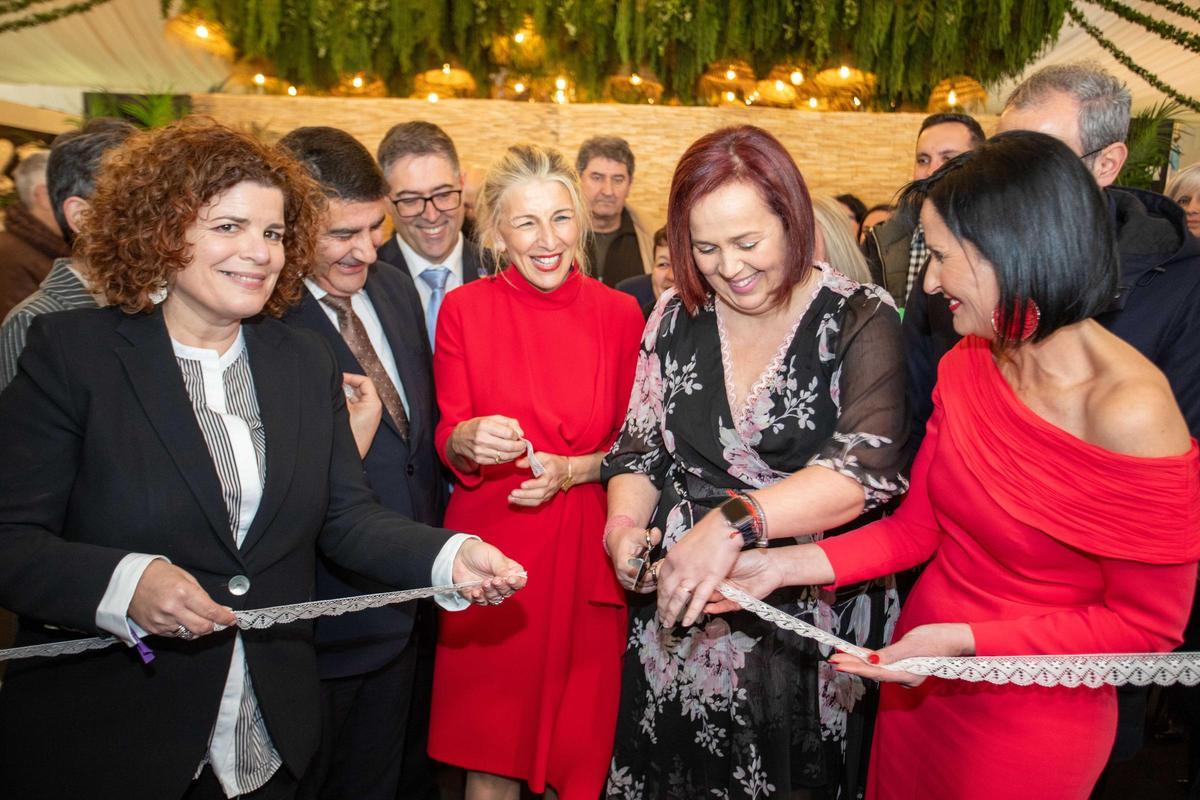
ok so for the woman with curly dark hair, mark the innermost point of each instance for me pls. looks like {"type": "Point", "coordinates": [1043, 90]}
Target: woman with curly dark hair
{"type": "Point", "coordinates": [172, 458]}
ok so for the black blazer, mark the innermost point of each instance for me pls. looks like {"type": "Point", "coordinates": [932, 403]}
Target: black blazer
{"type": "Point", "coordinates": [100, 456]}
{"type": "Point", "coordinates": [407, 476]}
{"type": "Point", "coordinates": [475, 264]}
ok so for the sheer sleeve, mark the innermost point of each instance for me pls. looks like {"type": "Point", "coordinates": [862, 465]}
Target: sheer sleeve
{"type": "Point", "coordinates": [868, 385]}
{"type": "Point", "coordinates": [640, 447]}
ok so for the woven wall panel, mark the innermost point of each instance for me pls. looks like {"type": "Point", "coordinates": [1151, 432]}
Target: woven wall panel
{"type": "Point", "coordinates": [867, 154]}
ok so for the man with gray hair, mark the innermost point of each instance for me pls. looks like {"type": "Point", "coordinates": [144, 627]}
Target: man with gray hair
{"type": "Point", "coordinates": [30, 240]}
{"type": "Point", "coordinates": [620, 245]}
{"type": "Point", "coordinates": [1157, 308]}
{"type": "Point", "coordinates": [71, 173]}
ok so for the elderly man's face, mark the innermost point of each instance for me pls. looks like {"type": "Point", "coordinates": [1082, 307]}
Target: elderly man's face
{"type": "Point", "coordinates": [605, 186]}
{"type": "Point", "coordinates": [347, 245]}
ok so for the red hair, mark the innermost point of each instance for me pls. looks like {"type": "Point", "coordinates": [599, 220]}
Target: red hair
{"type": "Point", "coordinates": [742, 154]}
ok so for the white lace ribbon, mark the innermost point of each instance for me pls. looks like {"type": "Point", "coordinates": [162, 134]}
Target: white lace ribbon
{"type": "Point", "coordinates": [255, 618]}
{"type": "Point", "coordinates": [1111, 669]}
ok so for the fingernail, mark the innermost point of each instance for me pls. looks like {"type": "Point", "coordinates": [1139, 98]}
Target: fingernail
{"type": "Point", "coordinates": [873, 658]}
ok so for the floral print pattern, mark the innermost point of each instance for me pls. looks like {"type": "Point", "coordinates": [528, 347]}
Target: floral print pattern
{"type": "Point", "coordinates": [733, 707]}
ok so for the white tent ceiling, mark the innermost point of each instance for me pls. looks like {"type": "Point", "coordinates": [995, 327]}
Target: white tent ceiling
{"type": "Point", "coordinates": [121, 46]}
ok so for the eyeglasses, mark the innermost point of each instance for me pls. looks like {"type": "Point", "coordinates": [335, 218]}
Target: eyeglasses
{"type": "Point", "coordinates": [1091, 153]}
{"type": "Point", "coordinates": [415, 206]}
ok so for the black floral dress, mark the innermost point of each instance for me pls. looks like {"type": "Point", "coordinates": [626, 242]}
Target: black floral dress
{"type": "Point", "coordinates": [733, 707]}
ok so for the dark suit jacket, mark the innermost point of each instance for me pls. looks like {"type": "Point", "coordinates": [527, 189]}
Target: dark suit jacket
{"type": "Point", "coordinates": [475, 264]}
{"type": "Point", "coordinates": [100, 456]}
{"type": "Point", "coordinates": [406, 476]}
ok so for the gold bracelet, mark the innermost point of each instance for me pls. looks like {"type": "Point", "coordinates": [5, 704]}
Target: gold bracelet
{"type": "Point", "coordinates": [570, 481]}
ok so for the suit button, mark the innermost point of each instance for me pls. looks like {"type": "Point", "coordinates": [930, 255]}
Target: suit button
{"type": "Point", "coordinates": [410, 470]}
{"type": "Point", "coordinates": [239, 585]}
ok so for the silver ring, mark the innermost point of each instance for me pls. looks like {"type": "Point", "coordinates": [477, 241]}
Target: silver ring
{"type": "Point", "coordinates": [183, 633]}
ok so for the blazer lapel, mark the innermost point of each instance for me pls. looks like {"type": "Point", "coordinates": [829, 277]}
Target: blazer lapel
{"type": "Point", "coordinates": [276, 383]}
{"type": "Point", "coordinates": [407, 343]}
{"type": "Point", "coordinates": [150, 363]}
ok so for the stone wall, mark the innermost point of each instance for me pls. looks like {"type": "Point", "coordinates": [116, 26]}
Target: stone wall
{"type": "Point", "coordinates": [867, 154]}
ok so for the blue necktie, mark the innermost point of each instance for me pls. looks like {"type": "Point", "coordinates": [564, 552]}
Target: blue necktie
{"type": "Point", "coordinates": [435, 278]}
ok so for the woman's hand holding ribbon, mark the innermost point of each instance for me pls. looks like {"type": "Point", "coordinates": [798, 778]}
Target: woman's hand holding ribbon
{"type": "Point", "coordinates": [937, 639]}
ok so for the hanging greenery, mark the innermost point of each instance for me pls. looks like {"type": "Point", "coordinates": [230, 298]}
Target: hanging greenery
{"type": "Point", "coordinates": [909, 46]}
{"type": "Point", "coordinates": [1182, 9]}
{"type": "Point", "coordinates": [1158, 27]}
{"type": "Point", "coordinates": [46, 17]}
{"type": "Point", "coordinates": [1120, 55]}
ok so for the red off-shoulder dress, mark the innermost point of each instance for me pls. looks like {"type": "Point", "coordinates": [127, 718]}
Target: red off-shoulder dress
{"type": "Point", "coordinates": [1045, 544]}
{"type": "Point", "coordinates": [529, 689]}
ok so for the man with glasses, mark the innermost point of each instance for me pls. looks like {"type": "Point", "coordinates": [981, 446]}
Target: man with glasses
{"type": "Point", "coordinates": [425, 184]}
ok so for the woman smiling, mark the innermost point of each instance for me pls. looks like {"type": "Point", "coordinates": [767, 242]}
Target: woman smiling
{"type": "Point", "coordinates": [538, 359]}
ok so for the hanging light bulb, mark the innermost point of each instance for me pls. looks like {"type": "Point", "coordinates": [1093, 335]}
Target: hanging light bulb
{"type": "Point", "coordinates": [519, 37]}
{"type": "Point", "coordinates": [560, 96]}
{"type": "Point", "coordinates": [843, 72]}
{"type": "Point", "coordinates": [292, 91]}
{"type": "Point", "coordinates": [357, 83]}
{"type": "Point", "coordinates": [433, 97]}
{"type": "Point", "coordinates": [259, 79]}
{"type": "Point", "coordinates": [730, 97]}
{"type": "Point", "coordinates": [797, 77]}
{"type": "Point", "coordinates": [812, 102]}
{"type": "Point", "coordinates": [952, 98]}
{"type": "Point", "coordinates": [202, 31]}
{"type": "Point", "coordinates": [779, 86]}
{"type": "Point", "coordinates": [560, 84]}
{"type": "Point", "coordinates": [519, 87]}
{"type": "Point", "coordinates": [730, 74]}
{"type": "Point", "coordinates": [857, 103]}
{"type": "Point", "coordinates": [445, 69]}
{"type": "Point", "coordinates": [635, 79]}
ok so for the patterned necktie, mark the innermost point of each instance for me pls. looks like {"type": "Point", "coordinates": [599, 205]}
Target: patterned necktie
{"type": "Point", "coordinates": [435, 279]}
{"type": "Point", "coordinates": [356, 338]}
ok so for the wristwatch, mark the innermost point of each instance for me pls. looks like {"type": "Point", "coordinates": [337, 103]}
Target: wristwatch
{"type": "Point", "coordinates": [741, 516]}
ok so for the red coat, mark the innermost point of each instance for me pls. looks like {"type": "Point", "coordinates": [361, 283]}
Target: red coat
{"type": "Point", "coordinates": [529, 689]}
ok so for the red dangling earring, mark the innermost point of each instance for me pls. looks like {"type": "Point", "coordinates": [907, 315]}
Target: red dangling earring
{"type": "Point", "coordinates": [1023, 327]}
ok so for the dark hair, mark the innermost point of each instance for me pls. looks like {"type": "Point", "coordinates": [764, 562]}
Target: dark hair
{"type": "Point", "coordinates": [856, 206]}
{"type": "Point", "coordinates": [614, 148]}
{"type": "Point", "coordinates": [338, 162]}
{"type": "Point", "coordinates": [151, 191]}
{"type": "Point", "coordinates": [1032, 209]}
{"type": "Point", "coordinates": [966, 120]}
{"type": "Point", "coordinates": [660, 237]}
{"type": "Point", "coordinates": [888, 207]}
{"type": "Point", "coordinates": [416, 138]}
{"type": "Point", "coordinates": [742, 154]}
{"type": "Point", "coordinates": [75, 159]}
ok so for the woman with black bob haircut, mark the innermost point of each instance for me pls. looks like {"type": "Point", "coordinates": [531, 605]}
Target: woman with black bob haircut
{"type": "Point", "coordinates": [1056, 482]}
{"type": "Point", "coordinates": [1049, 275]}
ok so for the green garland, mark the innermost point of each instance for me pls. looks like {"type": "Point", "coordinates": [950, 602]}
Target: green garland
{"type": "Point", "coordinates": [13, 6]}
{"type": "Point", "coordinates": [909, 45]}
{"type": "Point", "coordinates": [1123, 57]}
{"type": "Point", "coordinates": [46, 17]}
{"type": "Point", "coordinates": [1162, 29]}
{"type": "Point", "coordinates": [1182, 9]}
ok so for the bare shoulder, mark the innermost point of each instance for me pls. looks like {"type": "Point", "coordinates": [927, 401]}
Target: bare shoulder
{"type": "Point", "coordinates": [1135, 413]}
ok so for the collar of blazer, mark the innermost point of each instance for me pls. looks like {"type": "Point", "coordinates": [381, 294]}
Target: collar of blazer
{"type": "Point", "coordinates": [150, 363]}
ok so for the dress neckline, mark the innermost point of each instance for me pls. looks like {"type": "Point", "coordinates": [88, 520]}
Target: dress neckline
{"type": "Point", "coordinates": [766, 378]}
{"type": "Point", "coordinates": [514, 283]}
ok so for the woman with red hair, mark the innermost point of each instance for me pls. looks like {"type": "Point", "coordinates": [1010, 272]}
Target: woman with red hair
{"type": "Point", "coordinates": [770, 388]}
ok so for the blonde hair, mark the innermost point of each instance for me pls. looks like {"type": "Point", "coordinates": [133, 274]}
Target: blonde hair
{"type": "Point", "coordinates": [841, 251]}
{"type": "Point", "coordinates": [1185, 182]}
{"type": "Point", "coordinates": [520, 164]}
